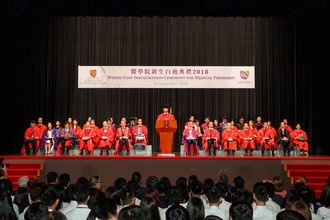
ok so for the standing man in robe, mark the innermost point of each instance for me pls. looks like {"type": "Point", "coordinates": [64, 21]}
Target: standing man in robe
{"type": "Point", "coordinates": [166, 115]}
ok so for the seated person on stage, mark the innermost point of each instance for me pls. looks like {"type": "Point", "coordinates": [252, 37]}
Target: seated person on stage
{"type": "Point", "coordinates": [48, 139]}
{"type": "Point", "coordinates": [204, 126]}
{"type": "Point", "coordinates": [210, 139]}
{"type": "Point", "coordinates": [140, 133]}
{"type": "Point", "coordinates": [266, 138]}
{"type": "Point", "coordinates": [32, 137]}
{"type": "Point", "coordinates": [111, 125]}
{"type": "Point", "coordinates": [233, 127]}
{"type": "Point", "coordinates": [299, 138]}
{"type": "Point", "coordinates": [271, 128]}
{"type": "Point", "coordinates": [246, 138]}
{"type": "Point", "coordinates": [86, 137]}
{"type": "Point", "coordinates": [259, 123]}
{"type": "Point", "coordinates": [76, 129]}
{"type": "Point", "coordinates": [189, 137]}
{"type": "Point", "coordinates": [66, 135]}
{"type": "Point", "coordinates": [200, 135]}
{"type": "Point", "coordinates": [132, 122]}
{"type": "Point", "coordinates": [253, 128]}
{"type": "Point", "coordinates": [123, 138]}
{"type": "Point", "coordinates": [41, 126]}
{"type": "Point", "coordinates": [166, 115]}
{"type": "Point", "coordinates": [107, 138]}
{"type": "Point", "coordinates": [191, 119]}
{"type": "Point", "coordinates": [287, 127]}
{"type": "Point", "coordinates": [229, 139]}
{"type": "Point", "coordinates": [240, 123]}
{"type": "Point", "coordinates": [283, 138]}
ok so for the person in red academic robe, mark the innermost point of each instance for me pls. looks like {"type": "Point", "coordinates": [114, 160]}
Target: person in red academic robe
{"type": "Point", "coordinates": [70, 122]}
{"type": "Point", "coordinates": [266, 138]}
{"type": "Point", "coordinates": [86, 137]}
{"type": "Point", "coordinates": [140, 133]}
{"type": "Point", "coordinates": [253, 129]}
{"type": "Point", "coordinates": [107, 138]}
{"type": "Point", "coordinates": [246, 138]}
{"type": "Point", "coordinates": [76, 129]}
{"type": "Point", "coordinates": [204, 126]}
{"type": "Point", "coordinates": [191, 119]}
{"type": "Point", "coordinates": [49, 140]}
{"type": "Point", "coordinates": [32, 138]}
{"type": "Point", "coordinates": [41, 126]}
{"type": "Point", "coordinates": [66, 135]}
{"type": "Point", "coordinates": [299, 138]}
{"type": "Point", "coordinates": [211, 139]}
{"type": "Point", "coordinates": [166, 115]}
{"type": "Point", "coordinates": [189, 139]}
{"type": "Point", "coordinates": [233, 127]}
{"type": "Point", "coordinates": [123, 138]}
{"type": "Point", "coordinates": [271, 128]}
{"type": "Point", "coordinates": [97, 132]}
{"type": "Point", "coordinates": [229, 139]}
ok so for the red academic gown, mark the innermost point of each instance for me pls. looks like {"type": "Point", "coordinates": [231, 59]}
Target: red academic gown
{"type": "Point", "coordinates": [204, 126]}
{"type": "Point", "coordinates": [32, 132]}
{"type": "Point", "coordinates": [128, 134]}
{"type": "Point", "coordinates": [262, 133]}
{"type": "Point", "coordinates": [144, 131]}
{"type": "Point", "coordinates": [207, 134]}
{"type": "Point", "coordinates": [288, 128]}
{"type": "Point", "coordinates": [229, 133]}
{"type": "Point", "coordinates": [87, 144]}
{"type": "Point", "coordinates": [303, 145]}
{"type": "Point", "coordinates": [242, 134]}
{"type": "Point", "coordinates": [76, 130]}
{"type": "Point", "coordinates": [42, 128]}
{"type": "Point", "coordinates": [63, 132]}
{"type": "Point", "coordinates": [185, 135]}
{"type": "Point", "coordinates": [165, 117]}
{"type": "Point", "coordinates": [106, 132]}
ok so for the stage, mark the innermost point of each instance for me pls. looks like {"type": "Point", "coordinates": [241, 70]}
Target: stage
{"type": "Point", "coordinates": [252, 168]}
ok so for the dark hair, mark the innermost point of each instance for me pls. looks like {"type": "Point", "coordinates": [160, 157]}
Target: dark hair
{"type": "Point", "coordinates": [207, 185]}
{"type": "Point", "coordinates": [239, 182]}
{"type": "Point", "coordinates": [241, 210]}
{"type": "Point", "coordinates": [49, 197]}
{"type": "Point", "coordinates": [191, 179]}
{"type": "Point", "coordinates": [152, 182]}
{"type": "Point", "coordinates": [150, 204]}
{"type": "Point", "coordinates": [177, 212]}
{"type": "Point", "coordinates": [126, 196]}
{"type": "Point", "coordinates": [153, 193]}
{"type": "Point", "coordinates": [163, 185]}
{"type": "Point", "coordinates": [136, 176]}
{"type": "Point", "coordinates": [54, 215]}
{"type": "Point", "coordinates": [222, 189]}
{"type": "Point", "coordinates": [109, 191]}
{"type": "Point", "coordinates": [181, 182]}
{"type": "Point", "coordinates": [278, 183]}
{"type": "Point", "coordinates": [103, 210]}
{"type": "Point", "coordinates": [289, 215]}
{"type": "Point", "coordinates": [6, 186]}
{"type": "Point", "coordinates": [196, 187]}
{"type": "Point", "coordinates": [302, 208]}
{"type": "Point", "coordinates": [81, 194]}
{"type": "Point", "coordinates": [70, 192]}
{"type": "Point", "coordinates": [64, 179]}
{"type": "Point", "coordinates": [36, 211]}
{"type": "Point", "coordinates": [195, 208]}
{"type": "Point", "coordinates": [95, 197]}
{"type": "Point", "coordinates": [94, 180]}
{"type": "Point", "coordinates": [83, 182]}
{"type": "Point", "coordinates": [212, 217]}
{"type": "Point", "coordinates": [260, 192]}
{"type": "Point", "coordinates": [21, 198]}
{"type": "Point", "coordinates": [6, 207]}
{"type": "Point", "coordinates": [51, 177]}
{"type": "Point", "coordinates": [134, 212]}
{"type": "Point", "coordinates": [270, 189]}
{"type": "Point", "coordinates": [120, 183]}
{"type": "Point", "coordinates": [133, 186]}
{"type": "Point", "coordinates": [213, 195]}
{"type": "Point", "coordinates": [35, 192]}
{"type": "Point", "coordinates": [173, 196]}
{"type": "Point", "coordinates": [290, 199]}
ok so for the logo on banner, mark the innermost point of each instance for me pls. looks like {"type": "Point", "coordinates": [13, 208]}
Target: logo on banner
{"type": "Point", "coordinates": [92, 73]}
{"type": "Point", "coordinates": [244, 74]}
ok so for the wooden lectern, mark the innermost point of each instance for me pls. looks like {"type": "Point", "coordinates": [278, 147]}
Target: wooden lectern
{"type": "Point", "coordinates": [166, 129]}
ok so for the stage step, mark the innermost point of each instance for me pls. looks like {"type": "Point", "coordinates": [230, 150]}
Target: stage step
{"type": "Point", "coordinates": [19, 169]}
{"type": "Point", "coordinates": [316, 174]}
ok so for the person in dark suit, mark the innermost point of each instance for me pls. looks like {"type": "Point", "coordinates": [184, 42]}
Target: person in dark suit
{"type": "Point", "coordinates": [283, 139]}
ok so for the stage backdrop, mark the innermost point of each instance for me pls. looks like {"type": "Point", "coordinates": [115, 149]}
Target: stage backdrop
{"type": "Point", "coordinates": [40, 56]}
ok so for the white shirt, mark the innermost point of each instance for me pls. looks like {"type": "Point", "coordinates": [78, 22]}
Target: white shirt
{"type": "Point", "coordinates": [263, 212]}
{"type": "Point", "coordinates": [21, 216]}
{"type": "Point", "coordinates": [217, 211]}
{"type": "Point", "coordinates": [81, 212]}
{"type": "Point", "coordinates": [69, 207]}
{"type": "Point", "coordinates": [273, 205]}
{"type": "Point", "coordinates": [324, 212]}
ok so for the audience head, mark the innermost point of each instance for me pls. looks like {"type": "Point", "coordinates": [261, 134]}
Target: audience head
{"type": "Point", "coordinates": [260, 192]}
{"type": "Point", "coordinates": [163, 185]}
{"type": "Point", "coordinates": [136, 176]}
{"type": "Point", "coordinates": [54, 215]}
{"type": "Point", "coordinates": [239, 182]}
{"type": "Point", "coordinates": [70, 192]}
{"type": "Point", "coordinates": [52, 178]}
{"type": "Point", "coordinates": [177, 212]}
{"type": "Point", "coordinates": [96, 182]}
{"type": "Point", "coordinates": [120, 183]}
{"type": "Point", "coordinates": [82, 195]}
{"type": "Point", "coordinates": [127, 197]}
{"type": "Point", "coordinates": [302, 208]}
{"type": "Point", "coordinates": [134, 212]}
{"type": "Point", "coordinates": [107, 209]}
{"type": "Point", "coordinates": [173, 196]}
{"type": "Point", "coordinates": [152, 182]}
{"type": "Point", "coordinates": [241, 210]}
{"type": "Point", "coordinates": [195, 208]}
{"type": "Point", "coordinates": [153, 193]}
{"type": "Point", "coordinates": [50, 198]}
{"type": "Point", "coordinates": [150, 204]}
{"type": "Point", "coordinates": [212, 217]}
{"type": "Point", "coordinates": [196, 187]}
{"type": "Point", "coordinates": [207, 185]}
{"type": "Point", "coordinates": [35, 193]}
{"type": "Point", "coordinates": [36, 211]}
{"type": "Point", "coordinates": [278, 183]}
{"type": "Point", "coordinates": [213, 196]}
{"type": "Point", "coordinates": [83, 182]}
{"type": "Point", "coordinates": [64, 180]}
{"type": "Point", "coordinates": [223, 176]}
{"type": "Point", "coordinates": [289, 215]}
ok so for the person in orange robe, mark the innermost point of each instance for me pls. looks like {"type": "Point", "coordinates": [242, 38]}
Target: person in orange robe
{"type": "Point", "coordinates": [229, 139]}
{"type": "Point", "coordinates": [233, 127]}
{"type": "Point", "coordinates": [166, 115]}
{"type": "Point", "coordinates": [32, 138]}
{"type": "Point", "coordinates": [273, 130]}
{"type": "Point", "coordinates": [299, 138]}
{"type": "Point", "coordinates": [246, 138]}
{"type": "Point", "coordinates": [86, 137]}
{"type": "Point", "coordinates": [76, 129]}
{"type": "Point", "coordinates": [266, 138]}
{"type": "Point", "coordinates": [253, 128]}
{"type": "Point", "coordinates": [204, 126]}
{"type": "Point", "coordinates": [123, 138]}
{"type": "Point", "coordinates": [189, 138]}
{"type": "Point", "coordinates": [107, 138]}
{"type": "Point", "coordinates": [140, 133]}
{"type": "Point", "coordinates": [211, 139]}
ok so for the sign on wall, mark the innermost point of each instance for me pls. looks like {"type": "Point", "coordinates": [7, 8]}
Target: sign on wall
{"type": "Point", "coordinates": [178, 77]}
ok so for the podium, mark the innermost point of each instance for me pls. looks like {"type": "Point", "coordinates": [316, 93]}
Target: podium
{"type": "Point", "coordinates": [166, 129]}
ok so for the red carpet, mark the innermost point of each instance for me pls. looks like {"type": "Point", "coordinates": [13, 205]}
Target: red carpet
{"type": "Point", "coordinates": [19, 169]}
{"type": "Point", "coordinates": [316, 174]}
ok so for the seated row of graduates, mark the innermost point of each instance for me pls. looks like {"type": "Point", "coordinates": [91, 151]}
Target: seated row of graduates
{"type": "Point", "coordinates": [48, 139]}
{"type": "Point", "coordinates": [245, 136]}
